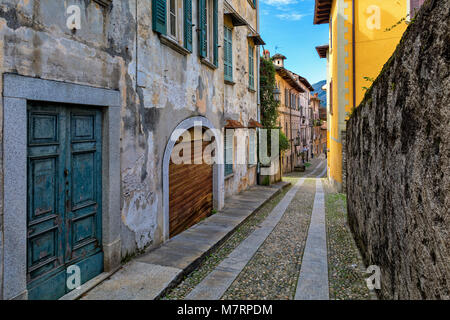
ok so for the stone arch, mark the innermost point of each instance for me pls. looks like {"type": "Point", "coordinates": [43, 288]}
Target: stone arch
{"type": "Point", "coordinates": [218, 174]}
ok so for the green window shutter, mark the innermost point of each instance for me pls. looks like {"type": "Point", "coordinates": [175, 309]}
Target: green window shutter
{"type": "Point", "coordinates": [188, 24]}
{"type": "Point", "coordinates": [228, 53]}
{"type": "Point", "coordinates": [216, 32]}
{"type": "Point", "coordinates": [251, 146]}
{"type": "Point", "coordinates": [251, 67]}
{"type": "Point", "coordinates": [228, 154]}
{"type": "Point", "coordinates": [202, 45]}
{"type": "Point", "coordinates": [159, 16]}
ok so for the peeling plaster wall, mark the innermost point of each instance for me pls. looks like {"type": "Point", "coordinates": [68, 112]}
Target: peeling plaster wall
{"type": "Point", "coordinates": [35, 42]}
{"type": "Point", "coordinates": [159, 88]}
{"type": "Point", "coordinates": [240, 102]}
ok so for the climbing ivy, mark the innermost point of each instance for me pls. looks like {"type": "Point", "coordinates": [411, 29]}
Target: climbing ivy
{"type": "Point", "coordinates": [269, 106]}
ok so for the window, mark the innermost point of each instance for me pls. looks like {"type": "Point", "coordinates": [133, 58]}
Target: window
{"type": "Point", "coordinates": [228, 154]}
{"type": "Point", "coordinates": [208, 30]}
{"type": "Point", "coordinates": [173, 18]}
{"type": "Point", "coordinates": [251, 67]}
{"type": "Point", "coordinates": [251, 147]}
{"type": "Point", "coordinates": [286, 98]}
{"type": "Point", "coordinates": [228, 53]}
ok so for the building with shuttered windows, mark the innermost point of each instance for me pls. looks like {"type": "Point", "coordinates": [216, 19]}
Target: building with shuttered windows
{"type": "Point", "coordinates": [294, 113]}
{"type": "Point", "coordinates": [97, 98]}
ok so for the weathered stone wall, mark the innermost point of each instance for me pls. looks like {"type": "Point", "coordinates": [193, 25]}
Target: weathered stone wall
{"type": "Point", "coordinates": [160, 87]}
{"type": "Point", "coordinates": [398, 163]}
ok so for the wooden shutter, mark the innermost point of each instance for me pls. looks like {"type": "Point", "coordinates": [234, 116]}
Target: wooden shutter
{"type": "Point", "coordinates": [228, 54]}
{"type": "Point", "coordinates": [228, 154]}
{"type": "Point", "coordinates": [216, 32]}
{"type": "Point", "coordinates": [159, 19]}
{"type": "Point", "coordinates": [202, 36]}
{"type": "Point", "coordinates": [251, 147]}
{"type": "Point", "coordinates": [188, 24]}
{"type": "Point", "coordinates": [251, 67]}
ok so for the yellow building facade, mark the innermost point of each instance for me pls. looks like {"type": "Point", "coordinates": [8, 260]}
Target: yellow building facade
{"type": "Point", "coordinates": [363, 36]}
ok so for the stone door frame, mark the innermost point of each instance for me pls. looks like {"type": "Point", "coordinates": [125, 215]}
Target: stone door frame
{"type": "Point", "coordinates": [17, 90]}
{"type": "Point", "coordinates": [218, 173]}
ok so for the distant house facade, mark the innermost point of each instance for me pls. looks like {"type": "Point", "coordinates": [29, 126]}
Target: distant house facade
{"type": "Point", "coordinates": [294, 112]}
{"type": "Point", "coordinates": [97, 98]}
{"type": "Point", "coordinates": [318, 148]}
{"type": "Point", "coordinates": [362, 38]}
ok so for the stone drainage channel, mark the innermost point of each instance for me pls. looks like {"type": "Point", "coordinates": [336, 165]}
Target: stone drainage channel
{"type": "Point", "coordinates": [248, 272]}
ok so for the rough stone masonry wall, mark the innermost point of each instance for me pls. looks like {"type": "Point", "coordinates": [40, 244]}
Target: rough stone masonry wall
{"type": "Point", "coordinates": [398, 163]}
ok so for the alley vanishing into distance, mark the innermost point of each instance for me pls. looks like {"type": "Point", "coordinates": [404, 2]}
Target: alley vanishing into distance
{"type": "Point", "coordinates": [281, 251]}
{"type": "Point", "coordinates": [224, 150]}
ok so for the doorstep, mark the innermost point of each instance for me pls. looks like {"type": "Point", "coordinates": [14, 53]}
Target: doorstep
{"type": "Point", "coordinates": [151, 275]}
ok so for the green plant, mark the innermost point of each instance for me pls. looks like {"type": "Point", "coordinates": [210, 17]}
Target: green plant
{"type": "Point", "coordinates": [266, 181]}
{"type": "Point", "coordinates": [284, 142]}
{"type": "Point", "coordinates": [369, 79]}
{"type": "Point", "coordinates": [269, 106]}
{"type": "Point", "coordinates": [397, 23]}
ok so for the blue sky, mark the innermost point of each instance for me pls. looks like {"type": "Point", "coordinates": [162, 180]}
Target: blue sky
{"type": "Point", "coordinates": [288, 25]}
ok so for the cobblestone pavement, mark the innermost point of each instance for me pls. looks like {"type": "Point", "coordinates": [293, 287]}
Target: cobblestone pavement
{"type": "Point", "coordinates": [346, 269]}
{"type": "Point", "coordinates": [272, 273]}
{"type": "Point", "coordinates": [210, 263]}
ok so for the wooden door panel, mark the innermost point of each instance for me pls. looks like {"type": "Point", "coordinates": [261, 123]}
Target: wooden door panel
{"type": "Point", "coordinates": [190, 197]}
{"type": "Point", "coordinates": [45, 182]}
{"type": "Point", "coordinates": [64, 196]}
{"type": "Point", "coordinates": [83, 218]}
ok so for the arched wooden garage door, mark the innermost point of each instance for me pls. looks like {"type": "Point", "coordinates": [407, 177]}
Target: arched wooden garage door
{"type": "Point", "coordinates": [190, 190]}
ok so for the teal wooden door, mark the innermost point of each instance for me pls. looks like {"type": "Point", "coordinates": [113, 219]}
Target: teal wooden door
{"type": "Point", "coordinates": [64, 197]}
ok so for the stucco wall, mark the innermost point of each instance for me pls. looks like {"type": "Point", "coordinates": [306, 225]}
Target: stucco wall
{"type": "Point", "coordinates": [159, 87]}
{"type": "Point", "coordinates": [398, 163]}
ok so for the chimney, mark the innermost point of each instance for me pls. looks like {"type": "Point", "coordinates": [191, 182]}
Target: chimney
{"type": "Point", "coordinates": [266, 54]}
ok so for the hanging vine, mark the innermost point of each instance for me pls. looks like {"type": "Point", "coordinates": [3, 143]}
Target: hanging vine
{"type": "Point", "coordinates": [269, 106]}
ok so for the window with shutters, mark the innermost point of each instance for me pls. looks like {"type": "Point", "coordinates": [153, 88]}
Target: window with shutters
{"type": "Point", "coordinates": [228, 54]}
{"type": "Point", "coordinates": [173, 20]}
{"type": "Point", "coordinates": [228, 152]}
{"type": "Point", "coordinates": [208, 30]}
{"type": "Point", "coordinates": [251, 67]}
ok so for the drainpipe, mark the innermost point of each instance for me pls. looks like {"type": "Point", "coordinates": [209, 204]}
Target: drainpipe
{"type": "Point", "coordinates": [258, 86]}
{"type": "Point", "coordinates": [258, 62]}
{"type": "Point", "coordinates": [290, 127]}
{"type": "Point", "coordinates": [354, 53]}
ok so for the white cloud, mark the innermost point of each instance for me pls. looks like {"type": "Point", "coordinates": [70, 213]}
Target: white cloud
{"type": "Point", "coordinates": [291, 16]}
{"type": "Point", "coordinates": [279, 2]}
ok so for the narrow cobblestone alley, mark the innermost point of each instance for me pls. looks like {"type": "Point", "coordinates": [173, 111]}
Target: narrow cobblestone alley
{"type": "Point", "coordinates": [264, 257]}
